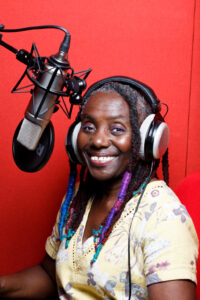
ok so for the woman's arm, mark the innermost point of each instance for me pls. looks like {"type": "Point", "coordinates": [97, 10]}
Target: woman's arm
{"type": "Point", "coordinates": [172, 290]}
{"type": "Point", "coordinates": [37, 282]}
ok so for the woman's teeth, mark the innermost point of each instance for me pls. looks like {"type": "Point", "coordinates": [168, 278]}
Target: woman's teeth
{"type": "Point", "coordinates": [102, 158]}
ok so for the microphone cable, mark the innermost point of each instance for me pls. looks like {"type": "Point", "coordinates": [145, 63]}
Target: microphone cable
{"type": "Point", "coordinates": [65, 44]}
{"type": "Point", "coordinates": [129, 233]}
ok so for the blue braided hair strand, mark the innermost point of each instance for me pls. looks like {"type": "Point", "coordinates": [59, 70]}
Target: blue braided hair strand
{"type": "Point", "coordinates": [64, 214]}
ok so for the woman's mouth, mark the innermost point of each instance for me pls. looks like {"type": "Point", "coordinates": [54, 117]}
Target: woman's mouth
{"type": "Point", "coordinates": [100, 160]}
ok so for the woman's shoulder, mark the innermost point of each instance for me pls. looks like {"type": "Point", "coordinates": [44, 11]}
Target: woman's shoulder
{"type": "Point", "coordinates": [160, 203]}
{"type": "Point", "coordinates": [158, 191]}
{"type": "Point", "coordinates": [160, 206]}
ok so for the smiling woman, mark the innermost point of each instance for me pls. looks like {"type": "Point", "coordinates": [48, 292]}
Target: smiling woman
{"type": "Point", "coordinates": [122, 233]}
{"type": "Point", "coordinates": [117, 235]}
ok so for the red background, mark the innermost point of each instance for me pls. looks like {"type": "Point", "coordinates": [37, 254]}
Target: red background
{"type": "Point", "coordinates": [157, 42]}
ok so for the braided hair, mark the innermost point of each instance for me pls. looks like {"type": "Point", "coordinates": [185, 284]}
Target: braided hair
{"type": "Point", "coordinates": [73, 208]}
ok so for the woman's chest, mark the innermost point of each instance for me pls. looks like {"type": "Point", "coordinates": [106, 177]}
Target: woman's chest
{"type": "Point", "coordinates": [97, 215]}
{"type": "Point", "coordinates": [108, 276]}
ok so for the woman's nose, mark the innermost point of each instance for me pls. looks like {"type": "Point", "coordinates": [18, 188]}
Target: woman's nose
{"type": "Point", "coordinates": [101, 138]}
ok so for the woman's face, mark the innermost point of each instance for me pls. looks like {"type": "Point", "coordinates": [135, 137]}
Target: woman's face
{"type": "Point", "coordinates": [104, 140]}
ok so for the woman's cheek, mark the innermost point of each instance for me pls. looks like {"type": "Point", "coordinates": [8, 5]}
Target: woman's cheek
{"type": "Point", "coordinates": [80, 144]}
{"type": "Point", "coordinates": [124, 143]}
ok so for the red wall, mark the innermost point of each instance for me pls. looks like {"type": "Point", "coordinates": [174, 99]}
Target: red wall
{"type": "Point", "coordinates": [153, 41]}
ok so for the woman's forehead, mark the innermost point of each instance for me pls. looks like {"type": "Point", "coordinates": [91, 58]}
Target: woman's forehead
{"type": "Point", "coordinates": [108, 103]}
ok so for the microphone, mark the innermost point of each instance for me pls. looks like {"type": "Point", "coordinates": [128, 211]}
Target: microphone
{"type": "Point", "coordinates": [53, 78]}
{"type": "Point", "coordinates": [42, 103]}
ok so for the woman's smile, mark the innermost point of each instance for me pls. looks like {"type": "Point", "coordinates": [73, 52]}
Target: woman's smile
{"type": "Point", "coordinates": [100, 161]}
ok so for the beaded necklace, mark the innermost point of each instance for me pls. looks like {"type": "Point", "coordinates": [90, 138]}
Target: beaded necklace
{"type": "Point", "coordinates": [99, 234]}
{"type": "Point", "coordinates": [142, 187]}
{"type": "Point", "coordinates": [68, 213]}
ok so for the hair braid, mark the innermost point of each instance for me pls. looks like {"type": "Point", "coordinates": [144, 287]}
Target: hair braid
{"type": "Point", "coordinates": [66, 204]}
{"type": "Point", "coordinates": [79, 203]}
{"type": "Point", "coordinates": [165, 166]}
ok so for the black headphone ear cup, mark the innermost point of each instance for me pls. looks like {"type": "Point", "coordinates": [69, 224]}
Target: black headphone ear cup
{"type": "Point", "coordinates": [71, 143]}
{"type": "Point", "coordinates": [154, 134]}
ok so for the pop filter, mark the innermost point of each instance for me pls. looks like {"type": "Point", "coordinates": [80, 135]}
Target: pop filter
{"type": "Point", "coordinates": [32, 161]}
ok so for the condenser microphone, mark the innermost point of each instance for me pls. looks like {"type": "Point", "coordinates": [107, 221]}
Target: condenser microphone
{"type": "Point", "coordinates": [33, 140]}
{"type": "Point", "coordinates": [41, 105]}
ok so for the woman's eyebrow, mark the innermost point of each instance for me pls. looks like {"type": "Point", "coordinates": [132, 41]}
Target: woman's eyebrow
{"type": "Point", "coordinates": [118, 117]}
{"type": "Point", "coordinates": [86, 116]}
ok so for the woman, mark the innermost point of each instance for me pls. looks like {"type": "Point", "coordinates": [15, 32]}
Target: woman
{"type": "Point", "coordinates": [122, 234]}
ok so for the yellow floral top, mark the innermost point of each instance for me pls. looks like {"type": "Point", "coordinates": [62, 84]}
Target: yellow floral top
{"type": "Point", "coordinates": [164, 246]}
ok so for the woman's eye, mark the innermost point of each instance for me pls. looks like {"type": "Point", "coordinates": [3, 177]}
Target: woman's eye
{"type": "Point", "coordinates": [87, 127]}
{"type": "Point", "coordinates": [117, 130]}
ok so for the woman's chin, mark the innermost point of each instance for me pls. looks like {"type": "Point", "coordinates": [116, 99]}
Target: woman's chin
{"type": "Point", "coordinates": [105, 177]}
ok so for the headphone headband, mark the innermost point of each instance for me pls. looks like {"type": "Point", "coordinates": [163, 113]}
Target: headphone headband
{"type": "Point", "coordinates": [145, 90]}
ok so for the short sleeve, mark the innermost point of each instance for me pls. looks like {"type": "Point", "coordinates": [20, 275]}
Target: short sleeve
{"type": "Point", "coordinates": [170, 243]}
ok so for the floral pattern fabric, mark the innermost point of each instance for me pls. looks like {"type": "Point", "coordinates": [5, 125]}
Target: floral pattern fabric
{"type": "Point", "coordinates": [164, 246]}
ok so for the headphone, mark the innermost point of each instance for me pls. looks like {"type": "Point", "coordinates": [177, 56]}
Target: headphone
{"type": "Point", "coordinates": [154, 132]}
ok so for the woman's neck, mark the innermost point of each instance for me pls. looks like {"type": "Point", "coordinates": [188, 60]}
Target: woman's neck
{"type": "Point", "coordinates": [107, 191]}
